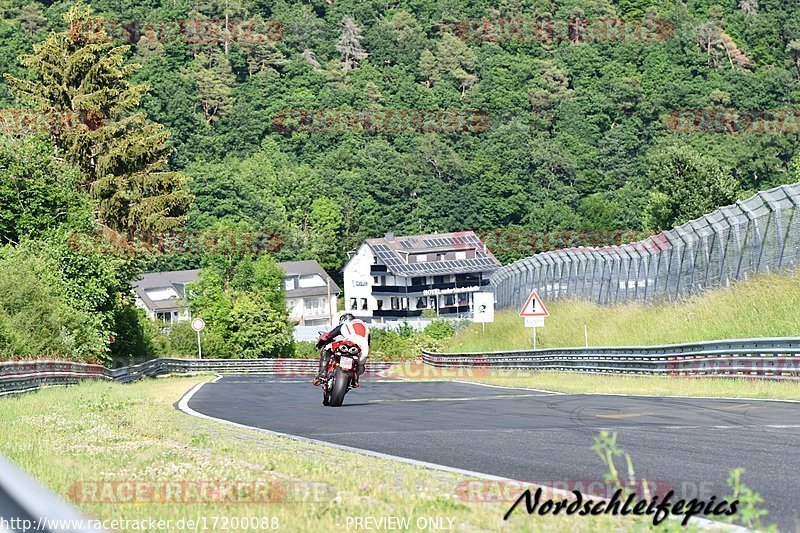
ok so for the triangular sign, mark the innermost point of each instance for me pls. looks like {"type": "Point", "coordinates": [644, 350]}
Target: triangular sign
{"type": "Point", "coordinates": [533, 306]}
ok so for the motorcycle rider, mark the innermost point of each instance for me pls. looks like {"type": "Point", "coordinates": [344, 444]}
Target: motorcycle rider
{"type": "Point", "coordinates": [352, 329]}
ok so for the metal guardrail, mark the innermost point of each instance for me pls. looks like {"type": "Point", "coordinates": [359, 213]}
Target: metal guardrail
{"type": "Point", "coordinates": [776, 358]}
{"type": "Point", "coordinates": [21, 376]}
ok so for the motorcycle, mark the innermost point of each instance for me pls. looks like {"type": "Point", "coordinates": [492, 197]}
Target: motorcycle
{"type": "Point", "coordinates": [340, 374]}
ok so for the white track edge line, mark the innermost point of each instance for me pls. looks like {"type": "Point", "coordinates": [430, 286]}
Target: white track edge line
{"type": "Point", "coordinates": [504, 386]}
{"type": "Point", "coordinates": [686, 397]}
{"type": "Point", "coordinates": [183, 405]}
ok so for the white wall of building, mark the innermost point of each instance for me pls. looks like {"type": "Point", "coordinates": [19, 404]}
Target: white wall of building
{"type": "Point", "coordinates": [161, 294]}
{"type": "Point", "coordinates": [358, 282]}
{"type": "Point", "coordinates": [315, 309]}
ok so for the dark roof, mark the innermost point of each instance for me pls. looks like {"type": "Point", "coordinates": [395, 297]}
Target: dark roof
{"type": "Point", "coordinates": [168, 280]}
{"type": "Point", "coordinates": [163, 280]}
{"type": "Point", "coordinates": [308, 268]}
{"type": "Point", "coordinates": [389, 250]}
{"type": "Point", "coordinates": [157, 280]}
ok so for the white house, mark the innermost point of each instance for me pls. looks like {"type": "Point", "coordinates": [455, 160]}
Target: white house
{"type": "Point", "coordinates": [163, 294]}
{"type": "Point", "coordinates": [311, 294]}
{"type": "Point", "coordinates": [399, 277]}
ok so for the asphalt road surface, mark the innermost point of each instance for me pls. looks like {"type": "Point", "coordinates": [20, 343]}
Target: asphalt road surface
{"type": "Point", "coordinates": [687, 444]}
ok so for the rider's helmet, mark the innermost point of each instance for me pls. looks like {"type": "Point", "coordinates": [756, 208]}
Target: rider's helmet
{"type": "Point", "coordinates": [345, 317]}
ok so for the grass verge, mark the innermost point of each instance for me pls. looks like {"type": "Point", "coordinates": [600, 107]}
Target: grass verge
{"type": "Point", "coordinates": [574, 383]}
{"type": "Point", "coordinates": [764, 306]}
{"type": "Point", "coordinates": [96, 434]}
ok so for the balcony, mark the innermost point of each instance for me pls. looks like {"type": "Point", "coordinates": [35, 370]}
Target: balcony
{"type": "Point", "coordinates": [408, 313]}
{"type": "Point", "coordinates": [417, 290]}
{"type": "Point", "coordinates": [402, 313]}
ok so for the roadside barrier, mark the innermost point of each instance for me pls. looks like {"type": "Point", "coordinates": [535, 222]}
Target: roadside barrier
{"type": "Point", "coordinates": [776, 359]}
{"type": "Point", "coordinates": [21, 376]}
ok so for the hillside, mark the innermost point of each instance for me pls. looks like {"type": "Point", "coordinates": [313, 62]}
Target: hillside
{"type": "Point", "coordinates": [576, 133]}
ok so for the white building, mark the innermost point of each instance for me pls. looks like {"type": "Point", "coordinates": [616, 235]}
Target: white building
{"type": "Point", "coordinates": [399, 277]}
{"type": "Point", "coordinates": [163, 294]}
{"type": "Point", "coordinates": [311, 294]}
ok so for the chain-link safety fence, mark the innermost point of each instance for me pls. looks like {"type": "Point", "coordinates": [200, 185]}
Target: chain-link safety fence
{"type": "Point", "coordinates": [760, 234]}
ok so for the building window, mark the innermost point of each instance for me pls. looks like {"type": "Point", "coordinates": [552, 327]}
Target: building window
{"type": "Point", "coordinates": [438, 279]}
{"type": "Point", "coordinates": [376, 280]}
{"type": "Point", "coordinates": [418, 281]}
{"type": "Point", "coordinates": [313, 305]}
{"type": "Point", "coordinates": [364, 304]}
{"type": "Point", "coordinates": [289, 284]}
{"type": "Point", "coordinates": [461, 255]}
{"type": "Point", "coordinates": [380, 305]}
{"type": "Point", "coordinates": [449, 300]}
{"type": "Point", "coordinates": [421, 303]}
{"type": "Point", "coordinates": [440, 257]}
{"type": "Point", "coordinates": [353, 304]}
{"type": "Point", "coordinates": [395, 303]}
{"type": "Point", "coordinates": [422, 258]}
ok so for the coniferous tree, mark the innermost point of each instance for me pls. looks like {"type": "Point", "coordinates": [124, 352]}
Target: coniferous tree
{"type": "Point", "coordinates": [122, 154]}
{"type": "Point", "coordinates": [213, 77]}
{"type": "Point", "coordinates": [349, 44]}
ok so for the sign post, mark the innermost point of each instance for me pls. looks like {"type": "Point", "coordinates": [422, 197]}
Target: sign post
{"type": "Point", "coordinates": [483, 306]}
{"type": "Point", "coordinates": [534, 313]}
{"type": "Point", "coordinates": [197, 325]}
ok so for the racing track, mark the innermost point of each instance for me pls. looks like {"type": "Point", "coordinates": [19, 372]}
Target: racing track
{"type": "Point", "coordinates": [688, 443]}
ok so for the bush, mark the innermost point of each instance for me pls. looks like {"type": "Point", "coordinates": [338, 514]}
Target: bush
{"type": "Point", "coordinates": [405, 330]}
{"type": "Point", "coordinates": [244, 308]}
{"type": "Point", "coordinates": [37, 320]}
{"type": "Point", "coordinates": [439, 329]}
{"type": "Point", "coordinates": [180, 340]}
{"type": "Point", "coordinates": [401, 344]}
{"type": "Point", "coordinates": [305, 350]}
{"type": "Point", "coordinates": [134, 336]}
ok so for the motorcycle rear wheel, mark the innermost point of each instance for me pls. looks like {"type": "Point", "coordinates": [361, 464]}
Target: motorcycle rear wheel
{"type": "Point", "coordinates": [341, 381]}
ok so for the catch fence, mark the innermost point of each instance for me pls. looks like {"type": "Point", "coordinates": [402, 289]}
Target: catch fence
{"type": "Point", "coordinates": [760, 234]}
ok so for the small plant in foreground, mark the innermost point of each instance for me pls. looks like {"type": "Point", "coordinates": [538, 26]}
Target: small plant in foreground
{"type": "Point", "coordinates": [750, 511]}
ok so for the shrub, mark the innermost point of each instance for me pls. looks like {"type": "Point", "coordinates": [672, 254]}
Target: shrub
{"type": "Point", "coordinates": [37, 319]}
{"type": "Point", "coordinates": [305, 349]}
{"type": "Point", "coordinates": [439, 329]}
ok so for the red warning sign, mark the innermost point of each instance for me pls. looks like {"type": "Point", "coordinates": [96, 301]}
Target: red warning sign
{"type": "Point", "coordinates": [534, 306]}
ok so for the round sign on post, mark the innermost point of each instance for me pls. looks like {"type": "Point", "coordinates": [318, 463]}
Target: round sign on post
{"type": "Point", "coordinates": [198, 324]}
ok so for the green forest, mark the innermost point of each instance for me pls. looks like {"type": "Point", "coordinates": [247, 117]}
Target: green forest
{"type": "Point", "coordinates": [187, 131]}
